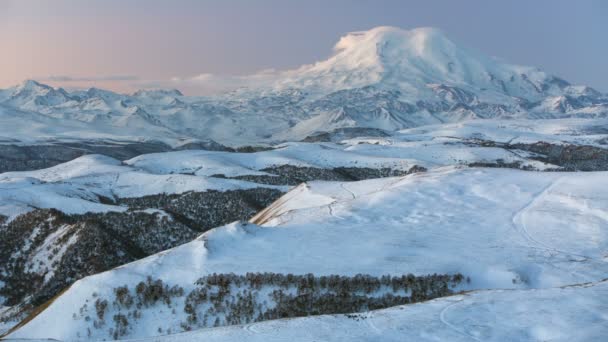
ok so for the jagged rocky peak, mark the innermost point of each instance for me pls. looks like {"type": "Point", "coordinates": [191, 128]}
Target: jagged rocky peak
{"type": "Point", "coordinates": [31, 91]}
{"type": "Point", "coordinates": [33, 86]}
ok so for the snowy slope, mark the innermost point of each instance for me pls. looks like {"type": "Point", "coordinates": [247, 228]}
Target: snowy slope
{"type": "Point", "coordinates": [385, 78]}
{"type": "Point", "coordinates": [497, 226]}
{"type": "Point", "coordinates": [574, 313]}
{"type": "Point", "coordinates": [75, 187]}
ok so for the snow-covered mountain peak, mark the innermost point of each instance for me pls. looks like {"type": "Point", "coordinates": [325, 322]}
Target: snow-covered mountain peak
{"type": "Point", "coordinates": [30, 85]}
{"type": "Point", "coordinates": [409, 60]}
{"type": "Point", "coordinates": [377, 41]}
{"type": "Point", "coordinates": [425, 53]}
{"type": "Point", "coordinates": [31, 88]}
{"type": "Point", "coordinates": [387, 78]}
{"type": "Point", "coordinates": [32, 94]}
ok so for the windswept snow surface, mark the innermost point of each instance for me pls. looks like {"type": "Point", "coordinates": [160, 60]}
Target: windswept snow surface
{"type": "Point", "coordinates": [497, 226]}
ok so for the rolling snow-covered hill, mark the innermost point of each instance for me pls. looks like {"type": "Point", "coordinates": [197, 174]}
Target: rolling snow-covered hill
{"type": "Point", "coordinates": [81, 185]}
{"type": "Point", "coordinates": [57, 221]}
{"type": "Point", "coordinates": [384, 78]}
{"type": "Point", "coordinates": [420, 224]}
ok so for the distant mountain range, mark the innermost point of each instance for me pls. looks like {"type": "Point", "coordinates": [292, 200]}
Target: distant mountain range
{"type": "Point", "coordinates": [385, 78]}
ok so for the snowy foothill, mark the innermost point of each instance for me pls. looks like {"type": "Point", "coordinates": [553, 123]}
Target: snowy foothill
{"type": "Point", "coordinates": [575, 313]}
{"type": "Point", "coordinates": [427, 146]}
{"type": "Point", "coordinates": [75, 187]}
{"type": "Point", "coordinates": [496, 226]}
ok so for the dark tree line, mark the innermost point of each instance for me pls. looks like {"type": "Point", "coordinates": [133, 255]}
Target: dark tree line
{"type": "Point", "coordinates": [294, 175]}
{"type": "Point", "coordinates": [229, 299]}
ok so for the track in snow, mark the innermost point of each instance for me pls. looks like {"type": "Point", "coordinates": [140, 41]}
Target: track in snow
{"type": "Point", "coordinates": [443, 320]}
{"type": "Point", "coordinates": [348, 190]}
{"type": "Point", "coordinates": [521, 228]}
{"type": "Point", "coordinates": [251, 328]}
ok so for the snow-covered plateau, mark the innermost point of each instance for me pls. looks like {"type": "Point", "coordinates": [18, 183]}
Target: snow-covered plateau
{"type": "Point", "coordinates": [403, 189]}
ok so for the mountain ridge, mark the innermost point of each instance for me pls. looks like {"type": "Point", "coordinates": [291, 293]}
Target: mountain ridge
{"type": "Point", "coordinates": [385, 78]}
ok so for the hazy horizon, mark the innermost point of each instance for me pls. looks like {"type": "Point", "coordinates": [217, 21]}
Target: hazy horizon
{"type": "Point", "coordinates": [127, 45]}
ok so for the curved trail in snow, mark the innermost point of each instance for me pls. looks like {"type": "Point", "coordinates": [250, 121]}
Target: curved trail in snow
{"type": "Point", "coordinates": [331, 210]}
{"type": "Point", "coordinates": [443, 320]}
{"type": "Point", "coordinates": [352, 194]}
{"type": "Point", "coordinates": [518, 223]}
{"type": "Point", "coordinates": [522, 229]}
{"type": "Point", "coordinates": [251, 328]}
